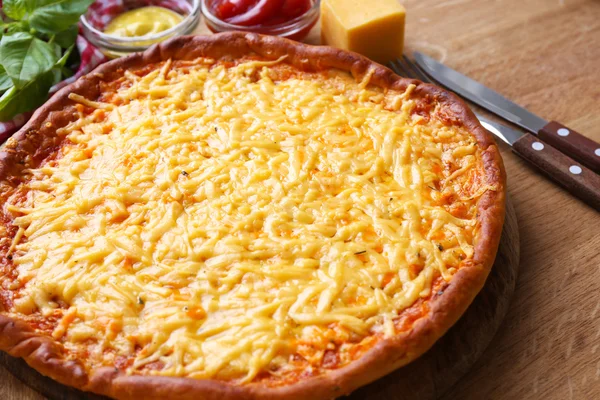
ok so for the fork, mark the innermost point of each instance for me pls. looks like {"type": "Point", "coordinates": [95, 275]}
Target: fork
{"type": "Point", "coordinates": [408, 69]}
{"type": "Point", "coordinates": [577, 179]}
{"type": "Point", "coordinates": [405, 67]}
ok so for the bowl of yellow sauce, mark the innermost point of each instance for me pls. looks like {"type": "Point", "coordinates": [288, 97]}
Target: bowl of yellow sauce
{"type": "Point", "coordinates": [149, 20]}
{"type": "Point", "coordinates": [136, 25]}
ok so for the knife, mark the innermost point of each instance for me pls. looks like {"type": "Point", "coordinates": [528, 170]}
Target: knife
{"type": "Point", "coordinates": [576, 178]}
{"type": "Point", "coordinates": [568, 141]}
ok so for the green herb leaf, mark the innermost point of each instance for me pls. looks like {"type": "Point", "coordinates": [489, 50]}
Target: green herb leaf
{"type": "Point", "coordinates": [32, 59]}
{"type": "Point", "coordinates": [25, 57]}
{"type": "Point", "coordinates": [56, 48]}
{"type": "Point", "coordinates": [16, 101]}
{"type": "Point", "coordinates": [63, 60]}
{"type": "Point", "coordinates": [54, 16]}
{"type": "Point", "coordinates": [66, 38]}
{"type": "Point", "coordinates": [17, 9]}
{"type": "Point", "coordinates": [59, 67]}
{"type": "Point", "coordinates": [12, 27]}
{"type": "Point", "coordinates": [5, 82]}
{"type": "Point", "coordinates": [56, 75]}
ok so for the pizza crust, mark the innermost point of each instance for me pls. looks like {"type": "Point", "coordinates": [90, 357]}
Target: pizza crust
{"type": "Point", "coordinates": [37, 139]}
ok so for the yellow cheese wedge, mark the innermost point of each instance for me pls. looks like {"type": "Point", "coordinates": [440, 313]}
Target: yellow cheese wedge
{"type": "Point", "coordinates": [374, 28]}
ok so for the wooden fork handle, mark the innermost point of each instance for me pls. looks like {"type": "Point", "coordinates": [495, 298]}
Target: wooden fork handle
{"type": "Point", "coordinates": [573, 144]}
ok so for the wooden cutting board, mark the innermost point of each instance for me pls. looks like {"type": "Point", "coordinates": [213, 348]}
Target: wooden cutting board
{"type": "Point", "coordinates": [428, 377]}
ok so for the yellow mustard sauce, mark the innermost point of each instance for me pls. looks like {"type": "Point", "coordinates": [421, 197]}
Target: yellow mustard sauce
{"type": "Point", "coordinates": [143, 21]}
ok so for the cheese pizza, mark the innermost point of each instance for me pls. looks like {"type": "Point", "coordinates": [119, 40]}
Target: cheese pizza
{"type": "Point", "coordinates": [242, 216]}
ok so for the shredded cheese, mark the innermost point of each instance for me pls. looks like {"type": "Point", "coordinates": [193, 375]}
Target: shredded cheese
{"type": "Point", "coordinates": [214, 222]}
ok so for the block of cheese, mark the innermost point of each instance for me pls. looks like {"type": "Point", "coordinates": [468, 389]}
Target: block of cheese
{"type": "Point", "coordinates": [374, 28]}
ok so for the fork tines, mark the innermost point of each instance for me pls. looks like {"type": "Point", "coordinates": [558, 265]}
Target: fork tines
{"type": "Point", "coordinates": [408, 69]}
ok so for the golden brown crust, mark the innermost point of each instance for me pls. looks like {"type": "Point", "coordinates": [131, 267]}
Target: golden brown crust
{"type": "Point", "coordinates": [37, 140]}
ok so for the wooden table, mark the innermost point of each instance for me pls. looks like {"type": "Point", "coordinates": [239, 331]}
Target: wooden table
{"type": "Point", "coordinates": [545, 55]}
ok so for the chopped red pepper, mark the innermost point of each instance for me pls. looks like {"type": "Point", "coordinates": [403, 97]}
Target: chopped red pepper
{"type": "Point", "coordinates": [225, 9]}
{"type": "Point", "coordinates": [259, 12]}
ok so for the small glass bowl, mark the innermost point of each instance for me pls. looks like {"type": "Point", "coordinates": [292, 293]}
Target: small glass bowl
{"type": "Point", "coordinates": [98, 16]}
{"type": "Point", "coordinates": [295, 29]}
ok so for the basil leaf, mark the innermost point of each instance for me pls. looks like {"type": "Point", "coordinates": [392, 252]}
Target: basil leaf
{"type": "Point", "coordinates": [17, 9]}
{"type": "Point", "coordinates": [25, 57]}
{"type": "Point", "coordinates": [16, 101]}
{"type": "Point", "coordinates": [59, 67]}
{"type": "Point", "coordinates": [56, 75]}
{"type": "Point", "coordinates": [12, 27]}
{"type": "Point", "coordinates": [63, 60]}
{"type": "Point", "coordinates": [14, 9]}
{"type": "Point", "coordinates": [67, 37]}
{"type": "Point", "coordinates": [56, 48]}
{"type": "Point", "coordinates": [5, 82]}
{"type": "Point", "coordinates": [53, 16]}
{"type": "Point", "coordinates": [56, 71]}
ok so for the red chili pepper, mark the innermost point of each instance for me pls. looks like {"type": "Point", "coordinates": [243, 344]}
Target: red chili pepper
{"type": "Point", "coordinates": [225, 9]}
{"type": "Point", "coordinates": [258, 14]}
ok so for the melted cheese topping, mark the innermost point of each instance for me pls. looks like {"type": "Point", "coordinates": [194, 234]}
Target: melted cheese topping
{"type": "Point", "coordinates": [216, 222]}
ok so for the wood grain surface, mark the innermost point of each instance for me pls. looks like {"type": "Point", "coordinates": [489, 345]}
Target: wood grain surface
{"type": "Point", "coordinates": [543, 54]}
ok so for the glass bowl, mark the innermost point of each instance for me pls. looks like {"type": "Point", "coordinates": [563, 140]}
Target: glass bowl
{"type": "Point", "coordinates": [100, 14]}
{"type": "Point", "coordinates": [295, 29]}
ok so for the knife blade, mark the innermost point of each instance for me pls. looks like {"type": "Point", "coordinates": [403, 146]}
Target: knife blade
{"type": "Point", "coordinates": [576, 178]}
{"type": "Point", "coordinates": [508, 135]}
{"type": "Point", "coordinates": [568, 141]}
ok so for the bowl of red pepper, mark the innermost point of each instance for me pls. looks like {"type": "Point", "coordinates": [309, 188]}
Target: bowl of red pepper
{"type": "Point", "coordinates": [292, 19]}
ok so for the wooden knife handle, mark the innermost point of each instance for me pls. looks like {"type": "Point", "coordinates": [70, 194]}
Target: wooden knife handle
{"type": "Point", "coordinates": [573, 144]}
{"type": "Point", "coordinates": [577, 179]}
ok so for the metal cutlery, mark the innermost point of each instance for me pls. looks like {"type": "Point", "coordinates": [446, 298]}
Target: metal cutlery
{"type": "Point", "coordinates": [575, 177]}
{"type": "Point", "coordinates": [568, 141]}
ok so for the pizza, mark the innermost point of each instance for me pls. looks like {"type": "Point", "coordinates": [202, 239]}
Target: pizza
{"type": "Point", "coordinates": [242, 216]}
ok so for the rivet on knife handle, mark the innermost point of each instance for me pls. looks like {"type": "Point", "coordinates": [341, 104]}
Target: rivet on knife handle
{"type": "Point", "coordinates": [577, 179]}
{"type": "Point", "coordinates": [573, 144]}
